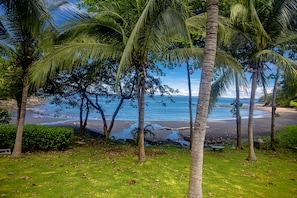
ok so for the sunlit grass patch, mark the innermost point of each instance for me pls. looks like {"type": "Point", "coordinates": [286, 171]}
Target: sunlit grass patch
{"type": "Point", "coordinates": [108, 169]}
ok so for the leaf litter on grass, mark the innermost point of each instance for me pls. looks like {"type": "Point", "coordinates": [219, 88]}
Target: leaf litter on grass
{"type": "Point", "coordinates": [104, 170]}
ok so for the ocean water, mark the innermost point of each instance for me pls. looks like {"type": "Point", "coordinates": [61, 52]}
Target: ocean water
{"type": "Point", "coordinates": [155, 110]}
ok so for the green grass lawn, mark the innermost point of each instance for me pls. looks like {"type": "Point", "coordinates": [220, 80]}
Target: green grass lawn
{"type": "Point", "coordinates": [106, 169]}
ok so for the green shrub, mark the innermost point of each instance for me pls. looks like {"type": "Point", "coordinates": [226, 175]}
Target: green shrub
{"type": "Point", "coordinates": [37, 137]}
{"type": "Point", "coordinates": [288, 137]}
{"type": "Point", "coordinates": [5, 116]}
{"type": "Point", "coordinates": [293, 103]}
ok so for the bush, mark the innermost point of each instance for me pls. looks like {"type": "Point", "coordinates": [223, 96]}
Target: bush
{"type": "Point", "coordinates": [288, 137]}
{"type": "Point", "coordinates": [5, 116]}
{"type": "Point", "coordinates": [293, 103]}
{"type": "Point", "coordinates": [37, 137]}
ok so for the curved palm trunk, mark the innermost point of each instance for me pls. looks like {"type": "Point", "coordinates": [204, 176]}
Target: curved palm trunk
{"type": "Point", "coordinates": [238, 116]}
{"type": "Point", "coordinates": [252, 155]}
{"type": "Point", "coordinates": [190, 103]}
{"type": "Point", "coordinates": [195, 184]}
{"type": "Point", "coordinates": [273, 109]}
{"type": "Point", "coordinates": [17, 149]}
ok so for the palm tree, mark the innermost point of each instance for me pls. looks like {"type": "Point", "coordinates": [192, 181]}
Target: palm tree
{"type": "Point", "coordinates": [195, 184]}
{"type": "Point", "coordinates": [128, 31]}
{"type": "Point", "coordinates": [263, 23]}
{"type": "Point", "coordinates": [25, 32]}
{"type": "Point", "coordinates": [147, 36]}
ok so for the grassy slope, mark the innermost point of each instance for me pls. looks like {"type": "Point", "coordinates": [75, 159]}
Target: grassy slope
{"type": "Point", "coordinates": [104, 169]}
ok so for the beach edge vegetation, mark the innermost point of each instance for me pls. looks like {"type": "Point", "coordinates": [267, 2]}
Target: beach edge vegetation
{"type": "Point", "coordinates": [37, 137]}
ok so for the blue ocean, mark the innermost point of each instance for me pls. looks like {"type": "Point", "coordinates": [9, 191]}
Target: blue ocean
{"type": "Point", "coordinates": [157, 109]}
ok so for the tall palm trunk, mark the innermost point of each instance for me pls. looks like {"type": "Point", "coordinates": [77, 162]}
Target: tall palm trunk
{"type": "Point", "coordinates": [190, 102]}
{"type": "Point", "coordinates": [140, 97]}
{"type": "Point", "coordinates": [252, 155]}
{"type": "Point", "coordinates": [273, 109]}
{"type": "Point", "coordinates": [238, 116]}
{"type": "Point", "coordinates": [195, 184]}
{"type": "Point", "coordinates": [17, 149]}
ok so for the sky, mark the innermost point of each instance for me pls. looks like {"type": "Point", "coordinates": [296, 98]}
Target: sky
{"type": "Point", "coordinates": [177, 78]}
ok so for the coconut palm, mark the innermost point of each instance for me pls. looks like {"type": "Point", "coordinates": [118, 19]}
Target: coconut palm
{"type": "Point", "coordinates": [25, 32]}
{"type": "Point", "coordinates": [195, 184]}
{"type": "Point", "coordinates": [157, 19]}
{"type": "Point", "coordinates": [264, 23]}
{"type": "Point", "coordinates": [128, 31]}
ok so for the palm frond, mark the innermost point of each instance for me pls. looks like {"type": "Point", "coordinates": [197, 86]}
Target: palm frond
{"type": "Point", "coordinates": [226, 60]}
{"type": "Point", "coordinates": [287, 65]}
{"type": "Point", "coordinates": [126, 56]}
{"type": "Point", "coordinates": [66, 56]}
{"type": "Point", "coordinates": [198, 23]}
{"type": "Point", "coordinates": [246, 16]}
{"type": "Point", "coordinates": [6, 51]}
{"type": "Point", "coordinates": [286, 37]}
{"type": "Point", "coordinates": [183, 54]}
{"type": "Point", "coordinates": [156, 20]}
{"type": "Point", "coordinates": [220, 86]}
{"type": "Point", "coordinates": [287, 12]}
{"type": "Point", "coordinates": [228, 67]}
{"type": "Point", "coordinates": [279, 60]}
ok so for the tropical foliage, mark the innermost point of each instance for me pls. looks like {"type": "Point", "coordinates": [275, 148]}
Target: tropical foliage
{"type": "Point", "coordinates": [115, 46]}
{"type": "Point", "coordinates": [263, 38]}
{"type": "Point", "coordinates": [25, 34]}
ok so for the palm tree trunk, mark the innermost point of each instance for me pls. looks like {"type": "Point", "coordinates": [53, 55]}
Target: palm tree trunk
{"type": "Point", "coordinates": [238, 116]}
{"type": "Point", "coordinates": [190, 102]}
{"type": "Point", "coordinates": [273, 109]}
{"type": "Point", "coordinates": [252, 155]}
{"type": "Point", "coordinates": [17, 149]}
{"type": "Point", "coordinates": [19, 104]}
{"type": "Point", "coordinates": [140, 97]}
{"type": "Point", "coordinates": [195, 184]}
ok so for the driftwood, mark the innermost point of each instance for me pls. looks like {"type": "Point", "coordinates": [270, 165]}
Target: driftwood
{"type": "Point", "coordinates": [177, 129]}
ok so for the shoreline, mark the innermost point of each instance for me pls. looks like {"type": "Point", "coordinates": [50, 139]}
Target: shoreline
{"type": "Point", "coordinates": [179, 130]}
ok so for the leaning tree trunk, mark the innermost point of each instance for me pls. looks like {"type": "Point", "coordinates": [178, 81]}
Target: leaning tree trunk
{"type": "Point", "coordinates": [82, 121]}
{"type": "Point", "coordinates": [195, 183]}
{"type": "Point", "coordinates": [273, 109]}
{"type": "Point", "coordinates": [114, 115]}
{"type": "Point", "coordinates": [238, 116]}
{"type": "Point", "coordinates": [252, 155]}
{"type": "Point", "coordinates": [190, 102]}
{"type": "Point", "coordinates": [17, 149]}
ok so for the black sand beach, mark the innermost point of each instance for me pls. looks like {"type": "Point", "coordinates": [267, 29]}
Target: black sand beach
{"type": "Point", "coordinates": [225, 129]}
